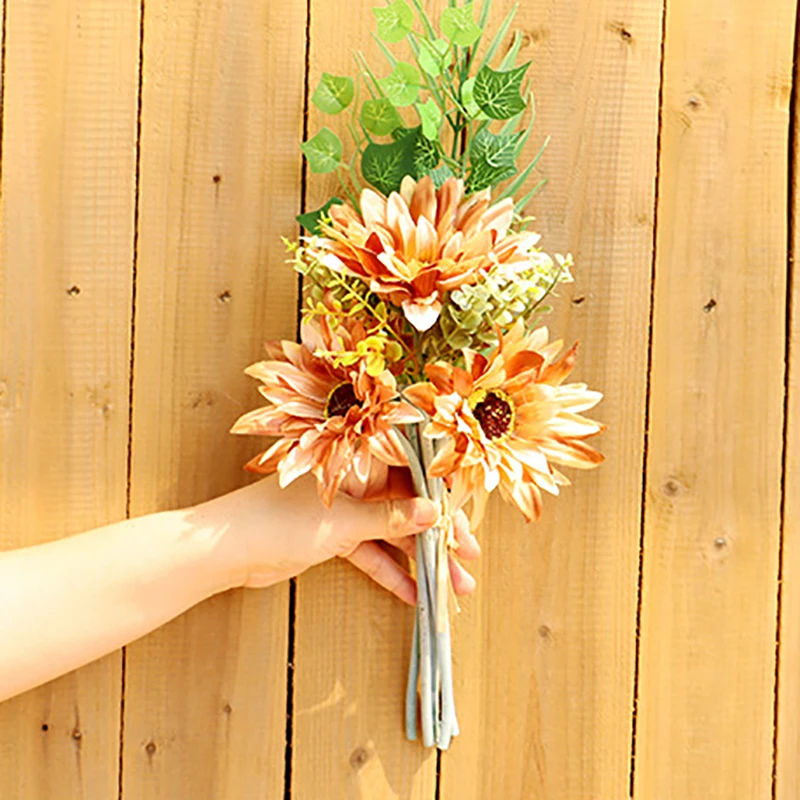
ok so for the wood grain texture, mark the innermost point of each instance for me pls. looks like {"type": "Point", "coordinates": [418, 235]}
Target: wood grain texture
{"type": "Point", "coordinates": [788, 709]}
{"type": "Point", "coordinates": [545, 651]}
{"type": "Point", "coordinates": [219, 183]}
{"type": "Point", "coordinates": [66, 245]}
{"type": "Point", "coordinates": [705, 723]}
{"type": "Point", "coordinates": [352, 639]}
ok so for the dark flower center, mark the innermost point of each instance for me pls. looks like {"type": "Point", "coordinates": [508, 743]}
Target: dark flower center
{"type": "Point", "coordinates": [341, 400]}
{"type": "Point", "coordinates": [494, 411]}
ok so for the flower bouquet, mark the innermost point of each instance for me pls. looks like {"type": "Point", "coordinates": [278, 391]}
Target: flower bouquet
{"type": "Point", "coordinates": [423, 288]}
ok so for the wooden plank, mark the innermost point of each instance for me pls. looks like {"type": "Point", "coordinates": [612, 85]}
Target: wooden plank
{"type": "Point", "coordinates": [220, 182]}
{"type": "Point", "coordinates": [66, 250]}
{"type": "Point", "coordinates": [545, 651]}
{"type": "Point", "coordinates": [352, 639]}
{"type": "Point", "coordinates": [788, 709]}
{"type": "Point", "coordinates": [705, 722]}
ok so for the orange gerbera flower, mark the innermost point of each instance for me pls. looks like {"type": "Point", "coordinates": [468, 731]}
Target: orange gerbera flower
{"type": "Point", "coordinates": [505, 419]}
{"type": "Point", "coordinates": [419, 243]}
{"type": "Point", "coordinates": [335, 421]}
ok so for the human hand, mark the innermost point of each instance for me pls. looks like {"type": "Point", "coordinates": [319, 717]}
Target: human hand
{"type": "Point", "coordinates": [269, 534]}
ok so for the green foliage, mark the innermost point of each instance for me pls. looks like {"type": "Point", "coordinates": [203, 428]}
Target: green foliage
{"type": "Point", "coordinates": [394, 21]}
{"type": "Point", "coordinates": [434, 56]}
{"type": "Point", "coordinates": [471, 316]}
{"type": "Point", "coordinates": [402, 86]}
{"type": "Point", "coordinates": [323, 151]}
{"type": "Point", "coordinates": [431, 116]}
{"type": "Point", "coordinates": [449, 111]}
{"type": "Point", "coordinates": [498, 93]}
{"type": "Point", "coordinates": [333, 94]}
{"type": "Point", "coordinates": [310, 220]}
{"type": "Point", "coordinates": [380, 117]}
{"type": "Point", "coordinates": [385, 165]}
{"type": "Point", "coordinates": [458, 25]}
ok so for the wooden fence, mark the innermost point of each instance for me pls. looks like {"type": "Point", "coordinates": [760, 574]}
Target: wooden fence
{"type": "Point", "coordinates": [643, 640]}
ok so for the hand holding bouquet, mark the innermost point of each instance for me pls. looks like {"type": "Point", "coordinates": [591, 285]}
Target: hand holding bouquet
{"type": "Point", "coordinates": [420, 350]}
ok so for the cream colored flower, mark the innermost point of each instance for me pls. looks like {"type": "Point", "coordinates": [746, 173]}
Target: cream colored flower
{"type": "Point", "coordinates": [334, 420]}
{"type": "Point", "coordinates": [419, 243]}
{"type": "Point", "coordinates": [505, 420]}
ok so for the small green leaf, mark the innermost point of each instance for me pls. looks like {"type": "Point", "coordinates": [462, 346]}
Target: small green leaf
{"type": "Point", "coordinates": [426, 153]}
{"type": "Point", "coordinates": [497, 150]}
{"type": "Point", "coordinates": [431, 117]}
{"type": "Point", "coordinates": [402, 86]}
{"type": "Point", "coordinates": [491, 158]}
{"type": "Point", "coordinates": [434, 56]}
{"type": "Point", "coordinates": [458, 25]}
{"type": "Point", "coordinates": [333, 94]}
{"type": "Point", "coordinates": [440, 175]}
{"type": "Point", "coordinates": [323, 151]}
{"type": "Point", "coordinates": [468, 100]}
{"type": "Point", "coordinates": [385, 165]}
{"type": "Point", "coordinates": [379, 116]}
{"type": "Point", "coordinates": [310, 220]}
{"type": "Point", "coordinates": [394, 20]}
{"type": "Point", "coordinates": [498, 93]}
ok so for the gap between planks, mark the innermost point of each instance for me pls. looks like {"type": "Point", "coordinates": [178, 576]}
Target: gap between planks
{"type": "Point", "coordinates": [646, 433]}
{"type": "Point", "coordinates": [787, 353]}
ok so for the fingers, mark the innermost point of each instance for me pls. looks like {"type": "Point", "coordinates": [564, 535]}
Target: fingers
{"type": "Point", "coordinates": [468, 547]}
{"type": "Point", "coordinates": [371, 559]}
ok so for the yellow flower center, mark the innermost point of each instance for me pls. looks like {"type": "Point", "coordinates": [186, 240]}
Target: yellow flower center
{"type": "Point", "coordinates": [494, 410]}
{"type": "Point", "coordinates": [340, 400]}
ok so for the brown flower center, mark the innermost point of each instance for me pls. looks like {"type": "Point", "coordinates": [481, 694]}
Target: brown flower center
{"type": "Point", "coordinates": [341, 400]}
{"type": "Point", "coordinates": [494, 410]}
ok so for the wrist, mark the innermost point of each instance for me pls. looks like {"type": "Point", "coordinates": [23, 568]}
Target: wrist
{"type": "Point", "coordinates": [204, 540]}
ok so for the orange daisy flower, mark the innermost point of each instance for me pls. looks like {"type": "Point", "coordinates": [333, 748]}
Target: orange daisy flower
{"type": "Point", "coordinates": [420, 243]}
{"type": "Point", "coordinates": [334, 421]}
{"type": "Point", "coordinates": [506, 419]}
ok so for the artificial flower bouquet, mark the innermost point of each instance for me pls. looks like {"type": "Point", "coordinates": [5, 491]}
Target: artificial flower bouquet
{"type": "Point", "coordinates": [423, 288]}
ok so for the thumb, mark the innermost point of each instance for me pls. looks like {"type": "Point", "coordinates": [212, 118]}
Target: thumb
{"type": "Point", "coordinates": [390, 519]}
{"type": "Point", "coordinates": [406, 517]}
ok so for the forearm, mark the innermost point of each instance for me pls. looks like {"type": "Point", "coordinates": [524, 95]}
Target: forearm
{"type": "Point", "coordinates": [69, 602]}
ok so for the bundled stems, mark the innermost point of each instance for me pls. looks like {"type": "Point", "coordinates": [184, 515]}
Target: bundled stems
{"type": "Point", "coordinates": [430, 670]}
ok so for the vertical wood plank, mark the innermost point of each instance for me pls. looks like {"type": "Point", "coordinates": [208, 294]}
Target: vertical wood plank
{"type": "Point", "coordinates": [66, 250]}
{"type": "Point", "coordinates": [705, 724]}
{"type": "Point", "coordinates": [788, 709]}
{"type": "Point", "coordinates": [352, 639]}
{"type": "Point", "coordinates": [219, 183]}
{"type": "Point", "coordinates": [545, 651]}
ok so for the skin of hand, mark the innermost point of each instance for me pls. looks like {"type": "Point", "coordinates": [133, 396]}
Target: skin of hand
{"type": "Point", "coordinates": [71, 601]}
{"type": "Point", "coordinates": [305, 533]}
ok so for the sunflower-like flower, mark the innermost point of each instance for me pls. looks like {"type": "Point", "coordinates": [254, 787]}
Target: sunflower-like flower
{"type": "Point", "coordinates": [419, 243]}
{"type": "Point", "coordinates": [504, 420]}
{"type": "Point", "coordinates": [334, 420]}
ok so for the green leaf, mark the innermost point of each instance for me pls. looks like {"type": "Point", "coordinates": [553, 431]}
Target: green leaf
{"type": "Point", "coordinates": [310, 220]}
{"type": "Point", "coordinates": [497, 150]}
{"type": "Point", "coordinates": [491, 158]}
{"type": "Point", "coordinates": [458, 25]}
{"type": "Point", "coordinates": [498, 93]}
{"type": "Point", "coordinates": [379, 116]}
{"type": "Point", "coordinates": [431, 117]}
{"type": "Point", "coordinates": [385, 165]}
{"type": "Point", "coordinates": [323, 151]}
{"type": "Point", "coordinates": [427, 153]}
{"type": "Point", "coordinates": [510, 58]}
{"type": "Point", "coordinates": [333, 94]}
{"type": "Point", "coordinates": [394, 21]}
{"type": "Point", "coordinates": [434, 56]}
{"type": "Point", "coordinates": [498, 38]}
{"type": "Point", "coordinates": [402, 86]}
{"type": "Point", "coordinates": [441, 174]}
{"type": "Point", "coordinates": [468, 100]}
